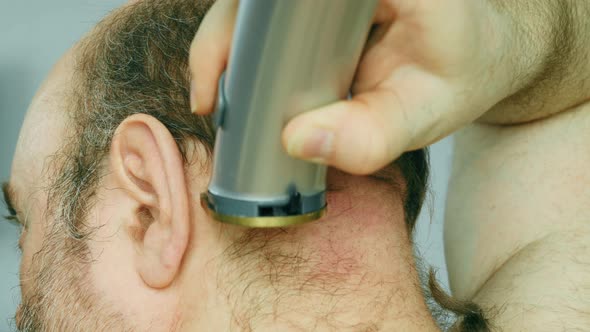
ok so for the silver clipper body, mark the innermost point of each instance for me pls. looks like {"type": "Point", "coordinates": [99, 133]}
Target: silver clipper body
{"type": "Point", "coordinates": [287, 57]}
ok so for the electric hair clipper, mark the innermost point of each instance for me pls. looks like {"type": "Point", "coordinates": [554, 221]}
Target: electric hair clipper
{"type": "Point", "coordinates": [287, 57]}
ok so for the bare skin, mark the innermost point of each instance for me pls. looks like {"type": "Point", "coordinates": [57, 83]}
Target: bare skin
{"type": "Point", "coordinates": [518, 244]}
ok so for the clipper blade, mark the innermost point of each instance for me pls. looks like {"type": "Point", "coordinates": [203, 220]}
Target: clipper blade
{"type": "Point", "coordinates": [261, 222]}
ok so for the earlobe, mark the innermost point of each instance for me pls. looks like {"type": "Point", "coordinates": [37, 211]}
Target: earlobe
{"type": "Point", "coordinates": [147, 164]}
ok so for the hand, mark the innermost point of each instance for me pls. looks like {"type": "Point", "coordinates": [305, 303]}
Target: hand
{"type": "Point", "coordinates": [429, 68]}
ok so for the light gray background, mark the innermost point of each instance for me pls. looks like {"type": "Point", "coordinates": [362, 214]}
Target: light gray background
{"type": "Point", "coordinates": [33, 35]}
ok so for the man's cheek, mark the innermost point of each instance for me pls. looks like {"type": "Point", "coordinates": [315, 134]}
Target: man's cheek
{"type": "Point", "coordinates": [19, 317]}
{"type": "Point", "coordinates": [27, 271]}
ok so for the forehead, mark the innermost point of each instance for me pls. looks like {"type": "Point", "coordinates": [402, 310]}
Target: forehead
{"type": "Point", "coordinates": [43, 130]}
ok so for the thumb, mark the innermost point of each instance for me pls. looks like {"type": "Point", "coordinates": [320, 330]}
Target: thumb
{"type": "Point", "coordinates": [209, 54]}
{"type": "Point", "coordinates": [359, 136]}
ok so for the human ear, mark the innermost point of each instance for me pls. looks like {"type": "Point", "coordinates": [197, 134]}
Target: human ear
{"type": "Point", "coordinates": [148, 166]}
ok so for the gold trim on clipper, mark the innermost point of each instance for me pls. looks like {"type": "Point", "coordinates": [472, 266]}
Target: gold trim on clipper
{"type": "Point", "coordinates": [262, 222]}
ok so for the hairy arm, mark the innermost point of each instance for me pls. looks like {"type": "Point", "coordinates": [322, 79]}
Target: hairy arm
{"type": "Point", "coordinates": [518, 212]}
{"type": "Point", "coordinates": [549, 57]}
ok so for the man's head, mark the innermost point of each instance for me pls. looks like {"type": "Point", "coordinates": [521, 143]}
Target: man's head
{"type": "Point", "coordinates": [107, 177]}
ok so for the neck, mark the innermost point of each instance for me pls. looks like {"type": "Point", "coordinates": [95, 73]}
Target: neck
{"type": "Point", "coordinates": [353, 270]}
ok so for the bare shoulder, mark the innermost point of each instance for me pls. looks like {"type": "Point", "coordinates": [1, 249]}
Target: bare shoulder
{"type": "Point", "coordinates": [517, 232]}
{"type": "Point", "coordinates": [544, 287]}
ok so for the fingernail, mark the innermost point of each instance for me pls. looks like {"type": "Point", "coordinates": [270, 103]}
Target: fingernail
{"type": "Point", "coordinates": [193, 98]}
{"type": "Point", "coordinates": [315, 144]}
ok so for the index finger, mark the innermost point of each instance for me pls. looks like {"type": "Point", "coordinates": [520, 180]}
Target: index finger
{"type": "Point", "coordinates": [209, 54]}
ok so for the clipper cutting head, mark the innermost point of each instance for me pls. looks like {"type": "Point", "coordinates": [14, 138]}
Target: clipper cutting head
{"type": "Point", "coordinates": [250, 214]}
